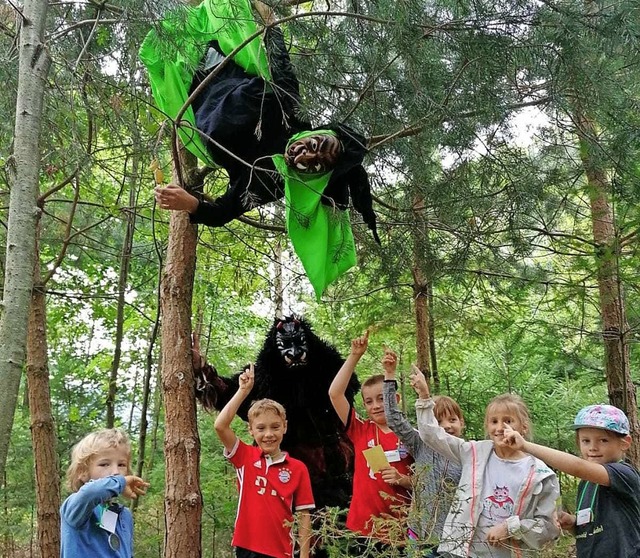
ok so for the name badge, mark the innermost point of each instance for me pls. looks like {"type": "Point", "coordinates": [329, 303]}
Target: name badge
{"type": "Point", "coordinates": [584, 516]}
{"type": "Point", "coordinates": [393, 456]}
{"type": "Point", "coordinates": [109, 521]}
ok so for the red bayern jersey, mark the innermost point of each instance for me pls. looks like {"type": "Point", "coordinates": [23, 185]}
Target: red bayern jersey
{"type": "Point", "coordinates": [372, 496]}
{"type": "Point", "coordinates": [269, 493]}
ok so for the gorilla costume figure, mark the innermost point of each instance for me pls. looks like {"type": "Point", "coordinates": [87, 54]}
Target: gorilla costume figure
{"type": "Point", "coordinates": [295, 367]}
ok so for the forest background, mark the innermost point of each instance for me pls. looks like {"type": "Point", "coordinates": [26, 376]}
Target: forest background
{"type": "Point", "coordinates": [504, 163]}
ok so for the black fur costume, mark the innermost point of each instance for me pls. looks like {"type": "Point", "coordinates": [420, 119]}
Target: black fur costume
{"type": "Point", "coordinates": [315, 434]}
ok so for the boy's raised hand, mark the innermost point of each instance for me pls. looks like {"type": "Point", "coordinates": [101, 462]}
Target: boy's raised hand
{"type": "Point", "coordinates": [419, 382]}
{"type": "Point", "coordinates": [135, 487]}
{"type": "Point", "coordinates": [389, 364]}
{"type": "Point", "coordinates": [359, 345]}
{"type": "Point", "coordinates": [246, 379]}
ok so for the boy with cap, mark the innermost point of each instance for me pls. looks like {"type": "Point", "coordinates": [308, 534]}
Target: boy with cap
{"type": "Point", "coordinates": [607, 519]}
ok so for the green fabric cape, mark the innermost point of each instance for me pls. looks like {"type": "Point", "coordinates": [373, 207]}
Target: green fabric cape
{"type": "Point", "coordinates": [320, 234]}
{"type": "Point", "coordinates": [171, 52]}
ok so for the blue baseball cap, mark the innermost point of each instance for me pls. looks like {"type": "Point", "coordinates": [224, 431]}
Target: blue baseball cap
{"type": "Point", "coordinates": [606, 417]}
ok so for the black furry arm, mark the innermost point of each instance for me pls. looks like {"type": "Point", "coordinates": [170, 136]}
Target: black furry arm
{"type": "Point", "coordinates": [360, 191]}
{"type": "Point", "coordinates": [218, 212]}
{"type": "Point", "coordinates": [212, 391]}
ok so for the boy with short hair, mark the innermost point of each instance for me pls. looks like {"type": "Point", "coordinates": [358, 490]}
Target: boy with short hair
{"type": "Point", "coordinates": [375, 495]}
{"type": "Point", "coordinates": [607, 519]}
{"type": "Point", "coordinates": [272, 485]}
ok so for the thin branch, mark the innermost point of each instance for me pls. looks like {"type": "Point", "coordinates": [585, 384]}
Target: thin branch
{"type": "Point", "coordinates": [67, 236]}
{"type": "Point", "coordinates": [261, 226]}
{"type": "Point", "coordinates": [415, 129]}
{"type": "Point", "coordinates": [86, 44]}
{"type": "Point", "coordinates": [43, 197]}
{"type": "Point", "coordinates": [629, 238]}
{"type": "Point", "coordinates": [79, 24]}
{"type": "Point", "coordinates": [18, 10]}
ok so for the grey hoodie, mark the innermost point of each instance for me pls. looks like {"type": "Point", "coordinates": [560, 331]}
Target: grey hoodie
{"type": "Point", "coordinates": [435, 477]}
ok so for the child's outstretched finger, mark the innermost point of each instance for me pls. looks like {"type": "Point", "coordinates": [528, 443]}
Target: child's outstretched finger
{"type": "Point", "coordinates": [249, 374]}
{"type": "Point", "coordinates": [416, 375]}
{"type": "Point", "coordinates": [140, 487]}
{"type": "Point", "coordinates": [509, 433]}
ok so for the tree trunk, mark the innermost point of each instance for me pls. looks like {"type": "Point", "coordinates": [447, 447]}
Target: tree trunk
{"type": "Point", "coordinates": [421, 302]}
{"type": "Point", "coordinates": [278, 279]}
{"type": "Point", "coordinates": [432, 336]}
{"type": "Point", "coordinates": [615, 327]}
{"type": "Point", "coordinates": [20, 254]}
{"type": "Point", "coordinates": [125, 261]}
{"type": "Point", "coordinates": [43, 432]}
{"type": "Point", "coordinates": [183, 499]}
{"type": "Point", "coordinates": [421, 293]}
{"type": "Point", "coordinates": [144, 405]}
{"type": "Point", "coordinates": [278, 284]}
{"type": "Point", "coordinates": [144, 408]}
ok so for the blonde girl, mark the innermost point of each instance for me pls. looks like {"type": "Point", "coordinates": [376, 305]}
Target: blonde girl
{"type": "Point", "coordinates": [92, 522]}
{"type": "Point", "coordinates": [505, 503]}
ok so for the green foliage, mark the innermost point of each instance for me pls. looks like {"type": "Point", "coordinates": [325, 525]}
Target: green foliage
{"type": "Point", "coordinates": [500, 228]}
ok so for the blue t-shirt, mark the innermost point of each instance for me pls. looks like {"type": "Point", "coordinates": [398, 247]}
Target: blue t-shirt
{"type": "Point", "coordinates": [614, 530]}
{"type": "Point", "coordinates": [80, 515]}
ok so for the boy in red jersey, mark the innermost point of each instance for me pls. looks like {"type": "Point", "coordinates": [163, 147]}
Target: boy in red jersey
{"type": "Point", "coordinates": [381, 495]}
{"type": "Point", "coordinates": [272, 485]}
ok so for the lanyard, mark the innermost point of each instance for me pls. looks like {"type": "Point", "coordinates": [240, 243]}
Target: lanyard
{"type": "Point", "coordinates": [378, 439]}
{"type": "Point", "coordinates": [108, 518]}
{"type": "Point", "coordinates": [593, 499]}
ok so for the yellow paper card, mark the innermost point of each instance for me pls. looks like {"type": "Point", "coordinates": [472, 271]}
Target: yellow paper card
{"type": "Point", "coordinates": [376, 458]}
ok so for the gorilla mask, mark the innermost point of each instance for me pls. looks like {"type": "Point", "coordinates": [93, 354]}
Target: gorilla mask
{"type": "Point", "coordinates": [291, 342]}
{"type": "Point", "coordinates": [315, 153]}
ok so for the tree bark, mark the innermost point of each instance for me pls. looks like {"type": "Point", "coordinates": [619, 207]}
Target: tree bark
{"type": "Point", "coordinates": [278, 282]}
{"type": "Point", "coordinates": [421, 295]}
{"type": "Point", "coordinates": [43, 432]}
{"type": "Point", "coordinates": [421, 301]}
{"type": "Point", "coordinates": [615, 327]}
{"type": "Point", "coordinates": [432, 335]}
{"type": "Point", "coordinates": [21, 231]}
{"type": "Point", "coordinates": [183, 499]}
{"type": "Point", "coordinates": [125, 262]}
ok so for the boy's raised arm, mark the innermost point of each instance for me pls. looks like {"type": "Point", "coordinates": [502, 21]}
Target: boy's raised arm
{"type": "Point", "coordinates": [389, 364]}
{"type": "Point", "coordinates": [565, 462]}
{"type": "Point", "coordinates": [338, 387]}
{"type": "Point", "coordinates": [223, 421]}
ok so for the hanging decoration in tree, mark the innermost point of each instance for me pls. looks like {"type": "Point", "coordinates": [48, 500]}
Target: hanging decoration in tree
{"type": "Point", "coordinates": [245, 118]}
